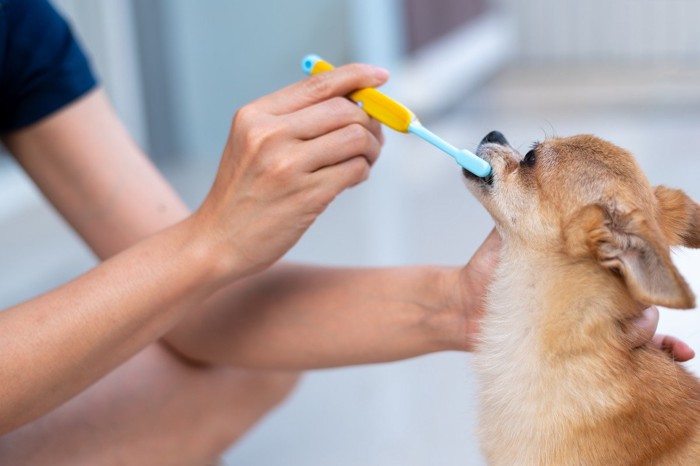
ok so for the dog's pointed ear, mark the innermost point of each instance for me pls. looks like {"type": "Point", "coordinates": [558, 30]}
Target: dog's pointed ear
{"type": "Point", "coordinates": [679, 217]}
{"type": "Point", "coordinates": [628, 245]}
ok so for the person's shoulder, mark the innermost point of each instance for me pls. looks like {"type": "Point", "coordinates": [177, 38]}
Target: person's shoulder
{"type": "Point", "coordinates": [19, 12]}
{"type": "Point", "coordinates": [43, 67]}
{"type": "Point", "coordinates": [29, 19]}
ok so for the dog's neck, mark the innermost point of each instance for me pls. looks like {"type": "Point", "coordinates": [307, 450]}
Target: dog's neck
{"type": "Point", "coordinates": [573, 306]}
{"type": "Point", "coordinates": [548, 320]}
{"type": "Point", "coordinates": [558, 377]}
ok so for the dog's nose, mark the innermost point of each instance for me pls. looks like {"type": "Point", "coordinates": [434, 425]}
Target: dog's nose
{"type": "Point", "coordinates": [495, 137]}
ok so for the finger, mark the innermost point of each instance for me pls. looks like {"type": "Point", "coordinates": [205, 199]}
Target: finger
{"type": "Point", "coordinates": [678, 349]}
{"type": "Point", "coordinates": [344, 175]}
{"type": "Point", "coordinates": [339, 146]}
{"type": "Point", "coordinates": [492, 241]}
{"type": "Point", "coordinates": [480, 268]}
{"type": "Point", "coordinates": [488, 251]}
{"type": "Point", "coordinates": [325, 117]}
{"type": "Point", "coordinates": [376, 128]}
{"type": "Point", "coordinates": [323, 86]}
{"type": "Point", "coordinates": [643, 328]}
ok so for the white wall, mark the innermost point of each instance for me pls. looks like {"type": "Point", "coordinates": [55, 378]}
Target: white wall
{"type": "Point", "coordinates": [607, 30]}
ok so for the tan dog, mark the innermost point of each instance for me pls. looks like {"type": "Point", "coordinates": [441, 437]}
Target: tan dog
{"type": "Point", "coordinates": [585, 248]}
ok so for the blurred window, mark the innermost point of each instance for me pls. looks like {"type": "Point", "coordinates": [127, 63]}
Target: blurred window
{"type": "Point", "coordinates": [430, 20]}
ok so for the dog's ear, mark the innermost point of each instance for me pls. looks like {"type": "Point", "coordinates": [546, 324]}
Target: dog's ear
{"type": "Point", "coordinates": [679, 217]}
{"type": "Point", "coordinates": [628, 245]}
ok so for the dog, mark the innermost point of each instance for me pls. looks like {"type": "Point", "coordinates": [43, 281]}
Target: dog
{"type": "Point", "coordinates": [585, 248]}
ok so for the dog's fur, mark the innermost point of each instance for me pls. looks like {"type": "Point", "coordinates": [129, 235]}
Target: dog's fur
{"type": "Point", "coordinates": [585, 249]}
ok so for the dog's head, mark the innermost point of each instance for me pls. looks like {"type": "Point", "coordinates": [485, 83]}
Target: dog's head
{"type": "Point", "coordinates": [588, 199]}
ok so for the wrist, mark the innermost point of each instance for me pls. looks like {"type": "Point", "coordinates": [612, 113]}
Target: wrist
{"type": "Point", "coordinates": [225, 262]}
{"type": "Point", "coordinates": [206, 253]}
{"type": "Point", "coordinates": [457, 326]}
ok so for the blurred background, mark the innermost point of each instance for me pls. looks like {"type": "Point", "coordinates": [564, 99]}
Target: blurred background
{"type": "Point", "coordinates": [177, 70]}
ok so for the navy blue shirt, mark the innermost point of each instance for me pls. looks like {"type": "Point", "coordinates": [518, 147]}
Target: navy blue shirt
{"type": "Point", "coordinates": [42, 67]}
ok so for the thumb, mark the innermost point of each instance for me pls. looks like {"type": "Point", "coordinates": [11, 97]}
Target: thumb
{"type": "Point", "coordinates": [643, 331]}
{"type": "Point", "coordinates": [644, 327]}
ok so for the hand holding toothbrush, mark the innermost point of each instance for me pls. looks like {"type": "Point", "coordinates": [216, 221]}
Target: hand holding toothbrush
{"type": "Point", "coordinates": [288, 155]}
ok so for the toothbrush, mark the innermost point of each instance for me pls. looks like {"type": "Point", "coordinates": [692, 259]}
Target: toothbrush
{"type": "Point", "coordinates": [398, 117]}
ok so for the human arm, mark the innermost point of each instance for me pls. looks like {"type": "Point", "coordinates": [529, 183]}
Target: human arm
{"type": "Point", "coordinates": [110, 193]}
{"type": "Point", "coordinates": [300, 317]}
{"type": "Point", "coordinates": [644, 332]}
{"type": "Point", "coordinates": [162, 262]}
{"type": "Point", "coordinates": [290, 316]}
{"type": "Point", "coordinates": [101, 182]}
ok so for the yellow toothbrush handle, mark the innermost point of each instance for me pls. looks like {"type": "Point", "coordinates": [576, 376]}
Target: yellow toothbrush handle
{"type": "Point", "coordinates": [379, 106]}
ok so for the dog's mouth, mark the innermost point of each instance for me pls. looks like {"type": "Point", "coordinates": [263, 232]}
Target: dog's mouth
{"type": "Point", "coordinates": [483, 151]}
{"type": "Point", "coordinates": [487, 180]}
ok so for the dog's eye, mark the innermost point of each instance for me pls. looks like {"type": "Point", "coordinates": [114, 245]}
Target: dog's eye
{"type": "Point", "coordinates": [530, 158]}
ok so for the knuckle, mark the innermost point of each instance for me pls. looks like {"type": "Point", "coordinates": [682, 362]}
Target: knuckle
{"type": "Point", "coordinates": [319, 199]}
{"type": "Point", "coordinates": [373, 154]}
{"type": "Point", "coordinates": [360, 170]}
{"type": "Point", "coordinates": [279, 168]}
{"type": "Point", "coordinates": [254, 138]}
{"type": "Point", "coordinates": [376, 129]}
{"type": "Point", "coordinates": [258, 135]}
{"type": "Point", "coordinates": [344, 108]}
{"type": "Point", "coordinates": [245, 116]}
{"type": "Point", "coordinates": [357, 134]}
{"type": "Point", "coordinates": [254, 128]}
{"type": "Point", "coordinates": [360, 140]}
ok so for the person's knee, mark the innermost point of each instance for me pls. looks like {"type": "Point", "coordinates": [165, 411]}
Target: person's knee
{"type": "Point", "coordinates": [249, 397]}
{"type": "Point", "coordinates": [268, 386]}
{"type": "Point", "coordinates": [179, 412]}
{"type": "Point", "coordinates": [266, 389]}
{"type": "Point", "coordinates": [276, 385]}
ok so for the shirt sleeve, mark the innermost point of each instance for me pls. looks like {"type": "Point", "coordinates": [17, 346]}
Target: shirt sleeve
{"type": "Point", "coordinates": [43, 67]}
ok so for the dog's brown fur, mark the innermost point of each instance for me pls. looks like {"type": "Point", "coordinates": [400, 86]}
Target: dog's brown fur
{"type": "Point", "coordinates": [585, 248]}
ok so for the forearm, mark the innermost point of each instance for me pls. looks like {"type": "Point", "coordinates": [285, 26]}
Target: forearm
{"type": "Point", "coordinates": [302, 317]}
{"type": "Point", "coordinates": [103, 184]}
{"type": "Point", "coordinates": [57, 344]}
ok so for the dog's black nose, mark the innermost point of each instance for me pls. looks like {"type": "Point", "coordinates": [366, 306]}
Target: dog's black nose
{"type": "Point", "coordinates": [495, 137]}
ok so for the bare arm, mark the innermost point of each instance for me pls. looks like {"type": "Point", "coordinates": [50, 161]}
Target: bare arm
{"type": "Point", "coordinates": [111, 194]}
{"type": "Point", "coordinates": [302, 317]}
{"type": "Point", "coordinates": [163, 263]}
{"type": "Point", "coordinates": [289, 317]}
{"type": "Point", "coordinates": [57, 344]}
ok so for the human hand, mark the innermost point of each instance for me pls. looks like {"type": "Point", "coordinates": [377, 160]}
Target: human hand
{"type": "Point", "coordinates": [288, 155]}
{"type": "Point", "coordinates": [466, 293]}
{"type": "Point", "coordinates": [644, 331]}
